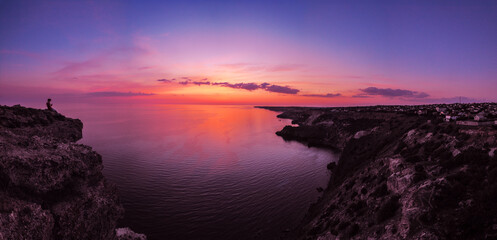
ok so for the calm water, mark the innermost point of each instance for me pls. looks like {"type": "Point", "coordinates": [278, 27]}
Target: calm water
{"type": "Point", "coordinates": [204, 172]}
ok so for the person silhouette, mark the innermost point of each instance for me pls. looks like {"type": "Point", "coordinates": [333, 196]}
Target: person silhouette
{"type": "Point", "coordinates": [49, 104]}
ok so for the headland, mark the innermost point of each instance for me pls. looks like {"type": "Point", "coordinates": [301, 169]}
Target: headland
{"type": "Point", "coordinates": [50, 186]}
{"type": "Point", "coordinates": [405, 172]}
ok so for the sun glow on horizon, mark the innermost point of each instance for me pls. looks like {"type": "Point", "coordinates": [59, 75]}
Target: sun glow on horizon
{"type": "Point", "coordinates": [314, 56]}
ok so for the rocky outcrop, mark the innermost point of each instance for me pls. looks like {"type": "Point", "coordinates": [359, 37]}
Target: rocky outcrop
{"type": "Point", "coordinates": [50, 186]}
{"type": "Point", "coordinates": [128, 234]}
{"type": "Point", "coordinates": [399, 176]}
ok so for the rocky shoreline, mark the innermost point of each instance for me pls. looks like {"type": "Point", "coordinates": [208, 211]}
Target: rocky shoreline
{"type": "Point", "coordinates": [400, 176]}
{"type": "Point", "coordinates": [50, 186]}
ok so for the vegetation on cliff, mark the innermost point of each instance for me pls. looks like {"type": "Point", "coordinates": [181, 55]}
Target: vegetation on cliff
{"type": "Point", "coordinates": [400, 176]}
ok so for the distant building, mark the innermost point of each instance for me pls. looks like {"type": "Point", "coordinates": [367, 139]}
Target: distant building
{"type": "Point", "coordinates": [480, 117]}
{"type": "Point", "coordinates": [448, 118]}
{"type": "Point", "coordinates": [422, 112]}
{"type": "Point", "coordinates": [441, 109]}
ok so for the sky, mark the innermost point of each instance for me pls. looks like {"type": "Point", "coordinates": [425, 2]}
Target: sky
{"type": "Point", "coordinates": [316, 53]}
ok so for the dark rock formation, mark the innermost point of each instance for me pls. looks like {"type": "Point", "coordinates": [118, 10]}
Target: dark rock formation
{"type": "Point", "coordinates": [399, 176]}
{"type": "Point", "coordinates": [51, 187]}
{"type": "Point", "coordinates": [128, 234]}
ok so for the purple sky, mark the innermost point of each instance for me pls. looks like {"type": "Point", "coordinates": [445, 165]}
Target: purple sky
{"type": "Point", "coordinates": [252, 52]}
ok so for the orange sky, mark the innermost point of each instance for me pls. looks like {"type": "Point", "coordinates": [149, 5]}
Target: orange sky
{"type": "Point", "coordinates": [247, 53]}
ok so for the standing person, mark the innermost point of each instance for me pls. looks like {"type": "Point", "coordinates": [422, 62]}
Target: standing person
{"type": "Point", "coordinates": [49, 104]}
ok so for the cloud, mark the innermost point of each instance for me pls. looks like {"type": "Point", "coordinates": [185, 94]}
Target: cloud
{"type": "Point", "coordinates": [328, 95]}
{"type": "Point", "coordinates": [388, 92]}
{"type": "Point", "coordinates": [361, 96]}
{"type": "Point", "coordinates": [219, 83]}
{"type": "Point", "coordinates": [200, 83]}
{"type": "Point", "coordinates": [102, 60]}
{"type": "Point", "coordinates": [246, 86]}
{"type": "Point", "coordinates": [165, 80]}
{"type": "Point", "coordinates": [264, 85]}
{"type": "Point", "coordinates": [118, 94]}
{"type": "Point", "coordinates": [282, 89]}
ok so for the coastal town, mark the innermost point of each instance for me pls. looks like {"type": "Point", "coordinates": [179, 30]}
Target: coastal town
{"type": "Point", "coordinates": [467, 114]}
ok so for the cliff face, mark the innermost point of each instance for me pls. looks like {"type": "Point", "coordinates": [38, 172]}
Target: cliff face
{"type": "Point", "coordinates": [400, 176]}
{"type": "Point", "coordinates": [51, 187]}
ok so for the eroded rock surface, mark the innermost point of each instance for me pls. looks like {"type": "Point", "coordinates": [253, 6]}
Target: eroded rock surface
{"type": "Point", "coordinates": [399, 176]}
{"type": "Point", "coordinates": [128, 234]}
{"type": "Point", "coordinates": [50, 186]}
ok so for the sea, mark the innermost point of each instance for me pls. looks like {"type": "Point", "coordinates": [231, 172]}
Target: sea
{"type": "Point", "coordinates": [203, 171]}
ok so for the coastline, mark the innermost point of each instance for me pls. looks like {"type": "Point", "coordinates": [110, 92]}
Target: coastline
{"type": "Point", "coordinates": [400, 175]}
{"type": "Point", "coordinates": [50, 186]}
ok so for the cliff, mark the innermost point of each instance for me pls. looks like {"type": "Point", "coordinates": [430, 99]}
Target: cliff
{"type": "Point", "coordinates": [399, 176]}
{"type": "Point", "coordinates": [50, 186]}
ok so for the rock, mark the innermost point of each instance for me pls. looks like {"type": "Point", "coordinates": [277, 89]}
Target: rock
{"type": "Point", "coordinates": [456, 152]}
{"type": "Point", "coordinates": [51, 187]}
{"type": "Point", "coordinates": [491, 153]}
{"type": "Point", "coordinates": [24, 220]}
{"type": "Point", "coordinates": [331, 166]}
{"type": "Point", "coordinates": [360, 134]}
{"type": "Point", "coordinates": [399, 176]}
{"type": "Point", "coordinates": [128, 234]}
{"type": "Point", "coordinates": [327, 236]}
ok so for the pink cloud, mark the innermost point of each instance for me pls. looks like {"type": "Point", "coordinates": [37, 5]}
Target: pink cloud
{"type": "Point", "coordinates": [117, 60]}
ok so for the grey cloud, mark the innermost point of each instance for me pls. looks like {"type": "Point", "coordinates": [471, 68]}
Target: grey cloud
{"type": "Point", "coordinates": [164, 80]}
{"type": "Point", "coordinates": [328, 95]}
{"type": "Point", "coordinates": [201, 83]}
{"type": "Point", "coordinates": [219, 83]}
{"type": "Point", "coordinates": [388, 92]}
{"type": "Point", "coordinates": [282, 89]}
{"type": "Point", "coordinates": [361, 96]}
{"type": "Point", "coordinates": [246, 86]}
{"type": "Point", "coordinates": [264, 85]}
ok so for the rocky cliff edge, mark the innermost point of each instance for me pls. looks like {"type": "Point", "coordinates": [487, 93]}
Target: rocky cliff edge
{"type": "Point", "coordinates": [399, 176]}
{"type": "Point", "coordinates": [50, 186]}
